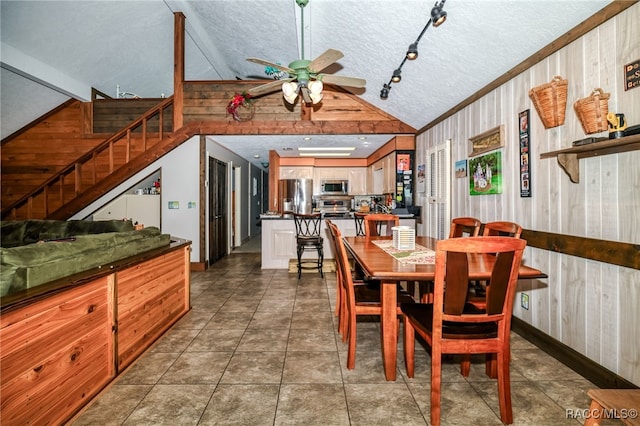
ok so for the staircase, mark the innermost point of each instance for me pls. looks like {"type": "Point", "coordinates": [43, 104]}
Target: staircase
{"type": "Point", "coordinates": [99, 170]}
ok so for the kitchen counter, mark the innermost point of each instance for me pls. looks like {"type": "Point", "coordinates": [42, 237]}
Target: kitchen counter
{"type": "Point", "coordinates": [279, 239]}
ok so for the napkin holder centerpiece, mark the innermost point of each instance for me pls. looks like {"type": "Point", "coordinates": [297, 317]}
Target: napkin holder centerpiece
{"type": "Point", "coordinates": [404, 237]}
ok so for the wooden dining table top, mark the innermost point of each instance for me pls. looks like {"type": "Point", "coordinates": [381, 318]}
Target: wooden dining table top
{"type": "Point", "coordinates": [377, 264]}
{"type": "Point", "coordinates": [380, 265]}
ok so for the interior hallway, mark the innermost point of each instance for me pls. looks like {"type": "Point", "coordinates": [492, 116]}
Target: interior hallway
{"type": "Point", "coordinates": [260, 347]}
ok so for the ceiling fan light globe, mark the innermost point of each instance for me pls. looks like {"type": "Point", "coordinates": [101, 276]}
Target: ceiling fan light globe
{"type": "Point", "coordinates": [316, 97]}
{"type": "Point", "coordinates": [315, 87]}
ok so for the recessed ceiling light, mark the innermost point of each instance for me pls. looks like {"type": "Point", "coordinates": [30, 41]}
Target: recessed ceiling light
{"type": "Point", "coordinates": [324, 154]}
{"type": "Point", "coordinates": [362, 138]}
{"type": "Point", "coordinates": [326, 148]}
{"type": "Point", "coordinates": [256, 156]}
{"type": "Point", "coordinates": [307, 138]}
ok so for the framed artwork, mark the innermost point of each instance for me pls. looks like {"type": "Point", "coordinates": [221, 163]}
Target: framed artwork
{"type": "Point", "coordinates": [421, 185]}
{"type": "Point", "coordinates": [485, 174]}
{"type": "Point", "coordinates": [487, 141]}
{"type": "Point", "coordinates": [461, 168]}
{"type": "Point", "coordinates": [525, 158]}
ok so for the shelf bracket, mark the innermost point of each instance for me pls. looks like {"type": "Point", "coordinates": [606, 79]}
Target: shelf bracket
{"type": "Point", "coordinates": [571, 165]}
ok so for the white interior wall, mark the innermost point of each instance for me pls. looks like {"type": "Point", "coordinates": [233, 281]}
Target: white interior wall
{"type": "Point", "coordinates": [590, 306]}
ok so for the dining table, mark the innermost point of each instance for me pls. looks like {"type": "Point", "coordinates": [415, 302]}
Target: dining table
{"type": "Point", "coordinates": [378, 260]}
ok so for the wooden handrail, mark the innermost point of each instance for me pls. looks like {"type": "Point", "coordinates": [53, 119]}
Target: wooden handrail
{"type": "Point", "coordinates": [75, 168]}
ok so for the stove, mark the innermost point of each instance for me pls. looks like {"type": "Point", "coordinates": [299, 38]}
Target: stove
{"type": "Point", "coordinates": [337, 215]}
{"type": "Point", "coordinates": [334, 206]}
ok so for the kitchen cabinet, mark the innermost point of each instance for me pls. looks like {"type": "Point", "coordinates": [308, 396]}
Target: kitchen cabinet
{"type": "Point", "coordinates": [296, 172]}
{"type": "Point", "coordinates": [357, 181]}
{"type": "Point", "coordinates": [383, 175]}
{"type": "Point", "coordinates": [143, 209]}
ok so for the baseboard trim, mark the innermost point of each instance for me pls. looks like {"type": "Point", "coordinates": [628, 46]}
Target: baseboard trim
{"type": "Point", "coordinates": [587, 368]}
{"type": "Point", "coordinates": [198, 266]}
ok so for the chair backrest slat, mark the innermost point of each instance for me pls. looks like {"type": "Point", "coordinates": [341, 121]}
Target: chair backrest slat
{"type": "Point", "coordinates": [464, 226]}
{"type": "Point", "coordinates": [503, 229]}
{"type": "Point", "coordinates": [307, 225]}
{"type": "Point", "coordinates": [455, 255]}
{"type": "Point", "coordinates": [373, 223]}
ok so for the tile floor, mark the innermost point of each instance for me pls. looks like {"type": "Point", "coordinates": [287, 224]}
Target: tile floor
{"type": "Point", "coordinates": [260, 347]}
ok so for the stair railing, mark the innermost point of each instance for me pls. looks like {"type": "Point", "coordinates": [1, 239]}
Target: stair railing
{"type": "Point", "coordinates": [74, 171]}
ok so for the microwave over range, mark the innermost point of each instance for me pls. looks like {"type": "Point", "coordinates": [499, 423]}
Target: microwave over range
{"type": "Point", "coordinates": [334, 187]}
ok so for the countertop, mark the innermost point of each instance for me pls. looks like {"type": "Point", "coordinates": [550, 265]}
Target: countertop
{"type": "Point", "coordinates": [278, 216]}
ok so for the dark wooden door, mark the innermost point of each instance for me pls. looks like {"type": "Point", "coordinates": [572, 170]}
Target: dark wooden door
{"type": "Point", "coordinates": [217, 210]}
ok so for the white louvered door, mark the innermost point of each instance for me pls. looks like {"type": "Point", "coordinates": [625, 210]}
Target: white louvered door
{"type": "Point", "coordinates": [438, 170]}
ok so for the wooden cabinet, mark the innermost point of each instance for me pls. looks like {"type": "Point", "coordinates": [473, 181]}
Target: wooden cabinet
{"type": "Point", "coordinates": [143, 209]}
{"type": "Point", "coordinates": [151, 296]}
{"type": "Point", "coordinates": [383, 174]}
{"type": "Point", "coordinates": [357, 180]}
{"type": "Point", "coordinates": [59, 349]}
{"type": "Point", "coordinates": [296, 172]}
{"type": "Point", "coordinates": [57, 354]}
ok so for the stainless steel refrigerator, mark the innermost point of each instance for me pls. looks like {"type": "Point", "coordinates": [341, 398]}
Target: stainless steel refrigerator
{"type": "Point", "coordinates": [296, 195]}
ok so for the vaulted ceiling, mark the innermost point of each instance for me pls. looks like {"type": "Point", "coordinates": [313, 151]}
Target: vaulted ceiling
{"type": "Point", "coordinates": [53, 50]}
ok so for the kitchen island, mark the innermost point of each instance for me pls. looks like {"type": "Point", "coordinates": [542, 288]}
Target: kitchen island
{"type": "Point", "coordinates": [279, 238]}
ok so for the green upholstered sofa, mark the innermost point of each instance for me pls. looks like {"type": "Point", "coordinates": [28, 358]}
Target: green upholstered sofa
{"type": "Point", "coordinates": [34, 252]}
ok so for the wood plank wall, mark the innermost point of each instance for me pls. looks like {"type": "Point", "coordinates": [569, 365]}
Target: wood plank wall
{"type": "Point", "coordinates": [36, 153]}
{"type": "Point", "coordinates": [111, 115]}
{"type": "Point", "coordinates": [591, 306]}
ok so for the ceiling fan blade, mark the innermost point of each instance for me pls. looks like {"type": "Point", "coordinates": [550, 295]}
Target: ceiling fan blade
{"type": "Point", "coordinates": [272, 86]}
{"type": "Point", "coordinates": [272, 65]}
{"type": "Point", "coordinates": [305, 95]}
{"type": "Point", "coordinates": [342, 81]}
{"type": "Point", "coordinates": [324, 60]}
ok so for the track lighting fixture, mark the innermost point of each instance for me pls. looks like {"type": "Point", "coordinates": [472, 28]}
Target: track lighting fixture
{"type": "Point", "coordinates": [438, 16]}
{"type": "Point", "coordinates": [397, 76]}
{"type": "Point", "coordinates": [412, 51]}
{"type": "Point", "coordinates": [384, 93]}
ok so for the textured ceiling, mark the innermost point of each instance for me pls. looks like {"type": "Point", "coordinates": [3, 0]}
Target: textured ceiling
{"type": "Point", "coordinates": [53, 49]}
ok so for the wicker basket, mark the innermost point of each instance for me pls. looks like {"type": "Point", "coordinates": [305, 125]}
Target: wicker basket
{"type": "Point", "coordinates": [550, 101]}
{"type": "Point", "coordinates": [592, 111]}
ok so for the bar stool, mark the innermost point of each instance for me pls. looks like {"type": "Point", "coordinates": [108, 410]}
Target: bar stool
{"type": "Point", "coordinates": [359, 219]}
{"type": "Point", "coordinates": [308, 238]}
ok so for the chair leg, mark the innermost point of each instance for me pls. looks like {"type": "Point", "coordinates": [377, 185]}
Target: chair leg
{"type": "Point", "coordinates": [321, 259]}
{"type": "Point", "coordinates": [504, 388]}
{"type": "Point", "coordinates": [299, 250]}
{"type": "Point", "coordinates": [436, 384]}
{"type": "Point", "coordinates": [465, 365]}
{"type": "Point", "coordinates": [409, 347]}
{"type": "Point", "coordinates": [351, 351]}
{"type": "Point", "coordinates": [491, 366]}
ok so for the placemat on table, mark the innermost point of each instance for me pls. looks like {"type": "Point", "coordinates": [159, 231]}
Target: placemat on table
{"type": "Point", "coordinates": [419, 255]}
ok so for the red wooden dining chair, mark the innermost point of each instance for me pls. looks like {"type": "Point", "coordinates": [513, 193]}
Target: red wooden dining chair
{"type": "Point", "coordinates": [460, 227]}
{"type": "Point", "coordinates": [358, 299]}
{"type": "Point", "coordinates": [373, 223]}
{"type": "Point", "coordinates": [451, 326]}
{"type": "Point", "coordinates": [502, 228]}
{"type": "Point", "coordinates": [464, 227]}
{"type": "Point", "coordinates": [478, 289]}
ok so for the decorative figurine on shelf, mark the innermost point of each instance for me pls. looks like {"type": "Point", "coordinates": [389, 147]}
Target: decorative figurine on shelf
{"type": "Point", "coordinates": [156, 186]}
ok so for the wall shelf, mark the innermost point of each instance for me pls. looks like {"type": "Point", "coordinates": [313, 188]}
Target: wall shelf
{"type": "Point", "coordinates": [569, 159]}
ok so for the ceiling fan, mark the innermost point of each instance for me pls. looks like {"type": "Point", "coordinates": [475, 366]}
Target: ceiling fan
{"type": "Point", "coordinates": [305, 77]}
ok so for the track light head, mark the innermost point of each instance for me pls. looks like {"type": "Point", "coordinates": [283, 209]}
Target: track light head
{"type": "Point", "coordinates": [384, 93]}
{"type": "Point", "coordinates": [438, 16]}
{"type": "Point", "coordinates": [412, 52]}
{"type": "Point", "coordinates": [397, 76]}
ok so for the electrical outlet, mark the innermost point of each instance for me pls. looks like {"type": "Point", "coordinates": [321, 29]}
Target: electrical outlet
{"type": "Point", "coordinates": [524, 301]}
